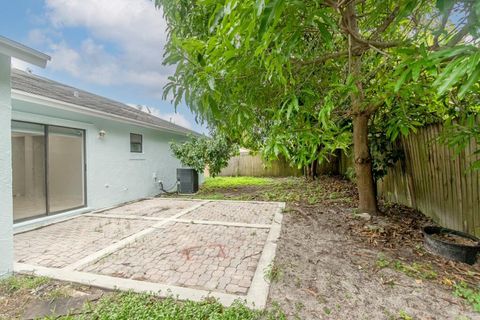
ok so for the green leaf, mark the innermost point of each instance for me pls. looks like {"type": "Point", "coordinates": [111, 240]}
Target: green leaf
{"type": "Point", "coordinates": [450, 76]}
{"type": "Point", "coordinates": [415, 71]}
{"type": "Point", "coordinates": [444, 5]}
{"type": "Point", "coordinates": [271, 11]}
{"type": "Point", "coordinates": [474, 78]}
{"type": "Point", "coordinates": [260, 4]}
{"type": "Point", "coordinates": [216, 17]}
{"type": "Point", "coordinates": [292, 106]}
{"type": "Point", "coordinates": [401, 80]}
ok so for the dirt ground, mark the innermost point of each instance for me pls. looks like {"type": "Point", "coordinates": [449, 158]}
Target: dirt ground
{"type": "Point", "coordinates": [26, 297]}
{"type": "Point", "coordinates": [333, 264]}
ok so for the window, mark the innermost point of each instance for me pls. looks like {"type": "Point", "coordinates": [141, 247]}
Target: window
{"type": "Point", "coordinates": [136, 143]}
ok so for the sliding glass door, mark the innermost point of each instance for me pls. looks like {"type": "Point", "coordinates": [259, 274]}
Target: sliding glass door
{"type": "Point", "coordinates": [48, 169]}
{"type": "Point", "coordinates": [28, 162]}
{"type": "Point", "coordinates": [65, 169]}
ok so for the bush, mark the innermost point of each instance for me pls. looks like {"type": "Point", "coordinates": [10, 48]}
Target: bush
{"type": "Point", "coordinates": [200, 152]}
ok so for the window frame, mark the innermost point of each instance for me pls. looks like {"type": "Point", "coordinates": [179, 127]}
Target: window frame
{"type": "Point", "coordinates": [132, 150]}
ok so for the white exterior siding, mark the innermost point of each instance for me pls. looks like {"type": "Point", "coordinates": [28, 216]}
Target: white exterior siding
{"type": "Point", "coordinates": [114, 174]}
{"type": "Point", "coordinates": [6, 209]}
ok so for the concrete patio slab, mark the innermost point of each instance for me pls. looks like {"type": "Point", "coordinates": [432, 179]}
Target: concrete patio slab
{"type": "Point", "coordinates": [187, 248]}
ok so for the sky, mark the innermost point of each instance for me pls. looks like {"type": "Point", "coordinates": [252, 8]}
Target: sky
{"type": "Point", "coordinates": [110, 48]}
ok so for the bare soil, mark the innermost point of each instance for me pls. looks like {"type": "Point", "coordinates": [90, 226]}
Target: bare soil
{"type": "Point", "coordinates": [19, 303]}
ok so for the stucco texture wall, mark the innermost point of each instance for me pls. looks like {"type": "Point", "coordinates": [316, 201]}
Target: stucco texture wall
{"type": "Point", "coordinates": [114, 175]}
{"type": "Point", "coordinates": [6, 216]}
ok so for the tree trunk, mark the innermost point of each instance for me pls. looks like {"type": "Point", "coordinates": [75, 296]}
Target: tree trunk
{"type": "Point", "coordinates": [314, 169]}
{"type": "Point", "coordinates": [361, 151]}
{"type": "Point", "coordinates": [363, 165]}
{"type": "Point", "coordinates": [309, 172]}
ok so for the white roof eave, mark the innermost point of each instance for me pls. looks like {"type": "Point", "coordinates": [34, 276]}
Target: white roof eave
{"type": "Point", "coordinates": [19, 51]}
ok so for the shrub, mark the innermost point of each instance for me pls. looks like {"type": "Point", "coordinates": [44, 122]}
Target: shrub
{"type": "Point", "coordinates": [200, 152]}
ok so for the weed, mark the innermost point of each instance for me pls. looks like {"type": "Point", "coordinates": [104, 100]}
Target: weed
{"type": "Point", "coordinates": [299, 306]}
{"type": "Point", "coordinates": [143, 306]}
{"type": "Point", "coordinates": [17, 283]}
{"type": "Point", "coordinates": [472, 295]}
{"type": "Point", "coordinates": [404, 316]}
{"type": "Point", "coordinates": [382, 261]}
{"type": "Point", "coordinates": [273, 273]}
{"type": "Point", "coordinates": [416, 270]}
{"type": "Point", "coordinates": [327, 310]}
{"type": "Point", "coordinates": [313, 200]}
{"type": "Point", "coordinates": [334, 195]}
{"type": "Point", "coordinates": [57, 293]}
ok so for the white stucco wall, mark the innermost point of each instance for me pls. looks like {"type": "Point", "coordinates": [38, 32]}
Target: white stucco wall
{"type": "Point", "coordinates": [6, 217]}
{"type": "Point", "coordinates": [114, 174]}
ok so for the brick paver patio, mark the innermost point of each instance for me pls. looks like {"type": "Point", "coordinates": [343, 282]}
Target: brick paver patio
{"type": "Point", "coordinates": [153, 208]}
{"type": "Point", "coordinates": [61, 244]}
{"type": "Point", "coordinates": [189, 248]}
{"type": "Point", "coordinates": [240, 211]}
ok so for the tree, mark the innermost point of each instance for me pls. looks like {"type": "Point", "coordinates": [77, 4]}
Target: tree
{"type": "Point", "coordinates": [202, 152]}
{"type": "Point", "coordinates": [294, 76]}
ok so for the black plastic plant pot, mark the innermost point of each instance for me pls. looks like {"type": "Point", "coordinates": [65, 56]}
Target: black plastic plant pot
{"type": "Point", "coordinates": [455, 251]}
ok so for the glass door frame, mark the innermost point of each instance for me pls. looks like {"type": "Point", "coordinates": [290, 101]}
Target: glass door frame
{"type": "Point", "coordinates": [46, 156]}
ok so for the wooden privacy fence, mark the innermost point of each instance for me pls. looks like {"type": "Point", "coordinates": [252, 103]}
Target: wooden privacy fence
{"type": "Point", "coordinates": [435, 181]}
{"type": "Point", "coordinates": [246, 164]}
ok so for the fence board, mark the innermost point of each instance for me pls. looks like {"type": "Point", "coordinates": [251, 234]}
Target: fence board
{"type": "Point", "coordinates": [436, 181]}
{"type": "Point", "coordinates": [246, 164]}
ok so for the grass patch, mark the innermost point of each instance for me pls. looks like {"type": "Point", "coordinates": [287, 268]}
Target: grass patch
{"type": "Point", "coordinates": [17, 283]}
{"type": "Point", "coordinates": [382, 261]}
{"type": "Point", "coordinates": [472, 295]}
{"type": "Point", "coordinates": [234, 182]}
{"type": "Point", "coordinates": [143, 306]}
{"type": "Point", "coordinates": [416, 270]}
{"type": "Point", "coordinates": [294, 190]}
{"type": "Point", "coordinates": [291, 189]}
{"type": "Point", "coordinates": [58, 293]}
{"type": "Point", "coordinates": [413, 270]}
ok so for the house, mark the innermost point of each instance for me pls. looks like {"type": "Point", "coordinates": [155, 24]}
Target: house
{"type": "Point", "coordinates": [65, 151]}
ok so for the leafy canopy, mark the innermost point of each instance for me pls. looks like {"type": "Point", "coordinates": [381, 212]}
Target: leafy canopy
{"type": "Point", "coordinates": [201, 152]}
{"type": "Point", "coordinates": [276, 75]}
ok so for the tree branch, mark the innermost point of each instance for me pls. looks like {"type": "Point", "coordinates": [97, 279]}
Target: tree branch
{"type": "Point", "coordinates": [321, 59]}
{"type": "Point", "coordinates": [386, 23]}
{"type": "Point", "coordinates": [459, 36]}
{"type": "Point", "coordinates": [442, 27]}
{"type": "Point", "coordinates": [377, 44]}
